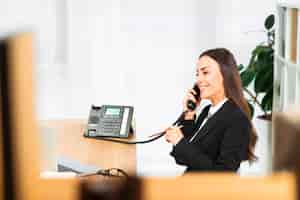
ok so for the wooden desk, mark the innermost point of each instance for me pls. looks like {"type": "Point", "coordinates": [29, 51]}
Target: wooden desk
{"type": "Point", "coordinates": [103, 154]}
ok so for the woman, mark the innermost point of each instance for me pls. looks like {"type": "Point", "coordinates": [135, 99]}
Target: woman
{"type": "Point", "coordinates": [222, 135]}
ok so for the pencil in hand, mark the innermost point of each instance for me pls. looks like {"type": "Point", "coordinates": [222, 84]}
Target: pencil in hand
{"type": "Point", "coordinates": [157, 134]}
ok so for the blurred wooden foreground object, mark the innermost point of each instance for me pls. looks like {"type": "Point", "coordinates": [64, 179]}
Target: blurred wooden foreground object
{"type": "Point", "coordinates": [21, 178]}
{"type": "Point", "coordinates": [220, 186]}
{"type": "Point", "coordinates": [199, 186]}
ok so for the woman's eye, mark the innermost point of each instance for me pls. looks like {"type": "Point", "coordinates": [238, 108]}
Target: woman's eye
{"type": "Point", "coordinates": [205, 72]}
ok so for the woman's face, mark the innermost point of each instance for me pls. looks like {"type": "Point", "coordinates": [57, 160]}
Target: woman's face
{"type": "Point", "coordinates": [210, 79]}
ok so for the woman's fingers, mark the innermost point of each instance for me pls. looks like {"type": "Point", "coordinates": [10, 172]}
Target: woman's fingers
{"type": "Point", "coordinates": [174, 134]}
{"type": "Point", "coordinates": [169, 134]}
{"type": "Point", "coordinates": [192, 97]}
{"type": "Point", "coordinates": [192, 91]}
{"type": "Point", "coordinates": [173, 129]}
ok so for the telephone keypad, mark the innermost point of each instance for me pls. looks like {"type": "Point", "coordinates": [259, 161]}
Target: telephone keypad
{"type": "Point", "coordinates": [109, 125]}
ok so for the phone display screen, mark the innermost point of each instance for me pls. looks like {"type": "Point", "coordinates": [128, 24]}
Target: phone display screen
{"type": "Point", "coordinates": [112, 111]}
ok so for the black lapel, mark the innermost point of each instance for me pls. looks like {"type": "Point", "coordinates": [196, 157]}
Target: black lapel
{"type": "Point", "coordinates": [211, 122]}
{"type": "Point", "coordinates": [202, 116]}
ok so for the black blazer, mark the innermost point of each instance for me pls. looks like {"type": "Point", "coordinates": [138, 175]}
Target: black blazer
{"type": "Point", "coordinates": [221, 144]}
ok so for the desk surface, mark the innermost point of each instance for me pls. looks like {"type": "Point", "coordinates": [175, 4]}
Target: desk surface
{"type": "Point", "coordinates": [103, 154]}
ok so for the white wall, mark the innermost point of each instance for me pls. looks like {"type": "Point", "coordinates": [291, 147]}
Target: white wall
{"type": "Point", "coordinates": [39, 17]}
{"type": "Point", "coordinates": [293, 2]}
{"type": "Point", "coordinates": [240, 25]}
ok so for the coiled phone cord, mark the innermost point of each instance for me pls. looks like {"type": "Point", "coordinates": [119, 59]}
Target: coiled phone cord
{"type": "Point", "coordinates": [158, 135]}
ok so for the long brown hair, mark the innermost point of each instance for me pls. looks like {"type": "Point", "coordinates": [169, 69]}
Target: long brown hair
{"type": "Point", "coordinates": [233, 88]}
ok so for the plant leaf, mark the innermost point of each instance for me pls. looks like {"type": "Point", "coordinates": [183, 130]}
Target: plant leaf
{"type": "Point", "coordinates": [257, 50]}
{"type": "Point", "coordinates": [267, 101]}
{"type": "Point", "coordinates": [247, 76]}
{"type": "Point", "coordinates": [269, 22]}
{"type": "Point", "coordinates": [264, 65]}
{"type": "Point", "coordinates": [264, 79]}
{"type": "Point", "coordinates": [240, 67]}
{"type": "Point", "coordinates": [262, 49]}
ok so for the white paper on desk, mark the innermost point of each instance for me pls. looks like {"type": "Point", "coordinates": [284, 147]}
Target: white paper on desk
{"type": "Point", "coordinates": [77, 166]}
{"type": "Point", "coordinates": [51, 174]}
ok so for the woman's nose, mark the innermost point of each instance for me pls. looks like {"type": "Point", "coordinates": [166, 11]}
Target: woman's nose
{"type": "Point", "coordinates": [200, 78]}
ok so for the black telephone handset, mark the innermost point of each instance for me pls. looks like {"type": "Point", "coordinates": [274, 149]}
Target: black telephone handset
{"type": "Point", "coordinates": [190, 104]}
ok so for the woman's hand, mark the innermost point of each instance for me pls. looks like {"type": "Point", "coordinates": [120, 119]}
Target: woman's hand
{"type": "Point", "coordinates": [173, 135]}
{"type": "Point", "coordinates": [190, 96]}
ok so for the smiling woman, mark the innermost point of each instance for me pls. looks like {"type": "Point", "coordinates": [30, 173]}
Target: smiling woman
{"type": "Point", "coordinates": [221, 136]}
{"type": "Point", "coordinates": [210, 80]}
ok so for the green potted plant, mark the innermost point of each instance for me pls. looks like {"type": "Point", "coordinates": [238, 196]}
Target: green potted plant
{"type": "Point", "coordinates": [258, 75]}
{"type": "Point", "coordinates": [260, 72]}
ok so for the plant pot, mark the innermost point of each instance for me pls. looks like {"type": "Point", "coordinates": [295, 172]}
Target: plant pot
{"type": "Point", "coordinates": [263, 148]}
